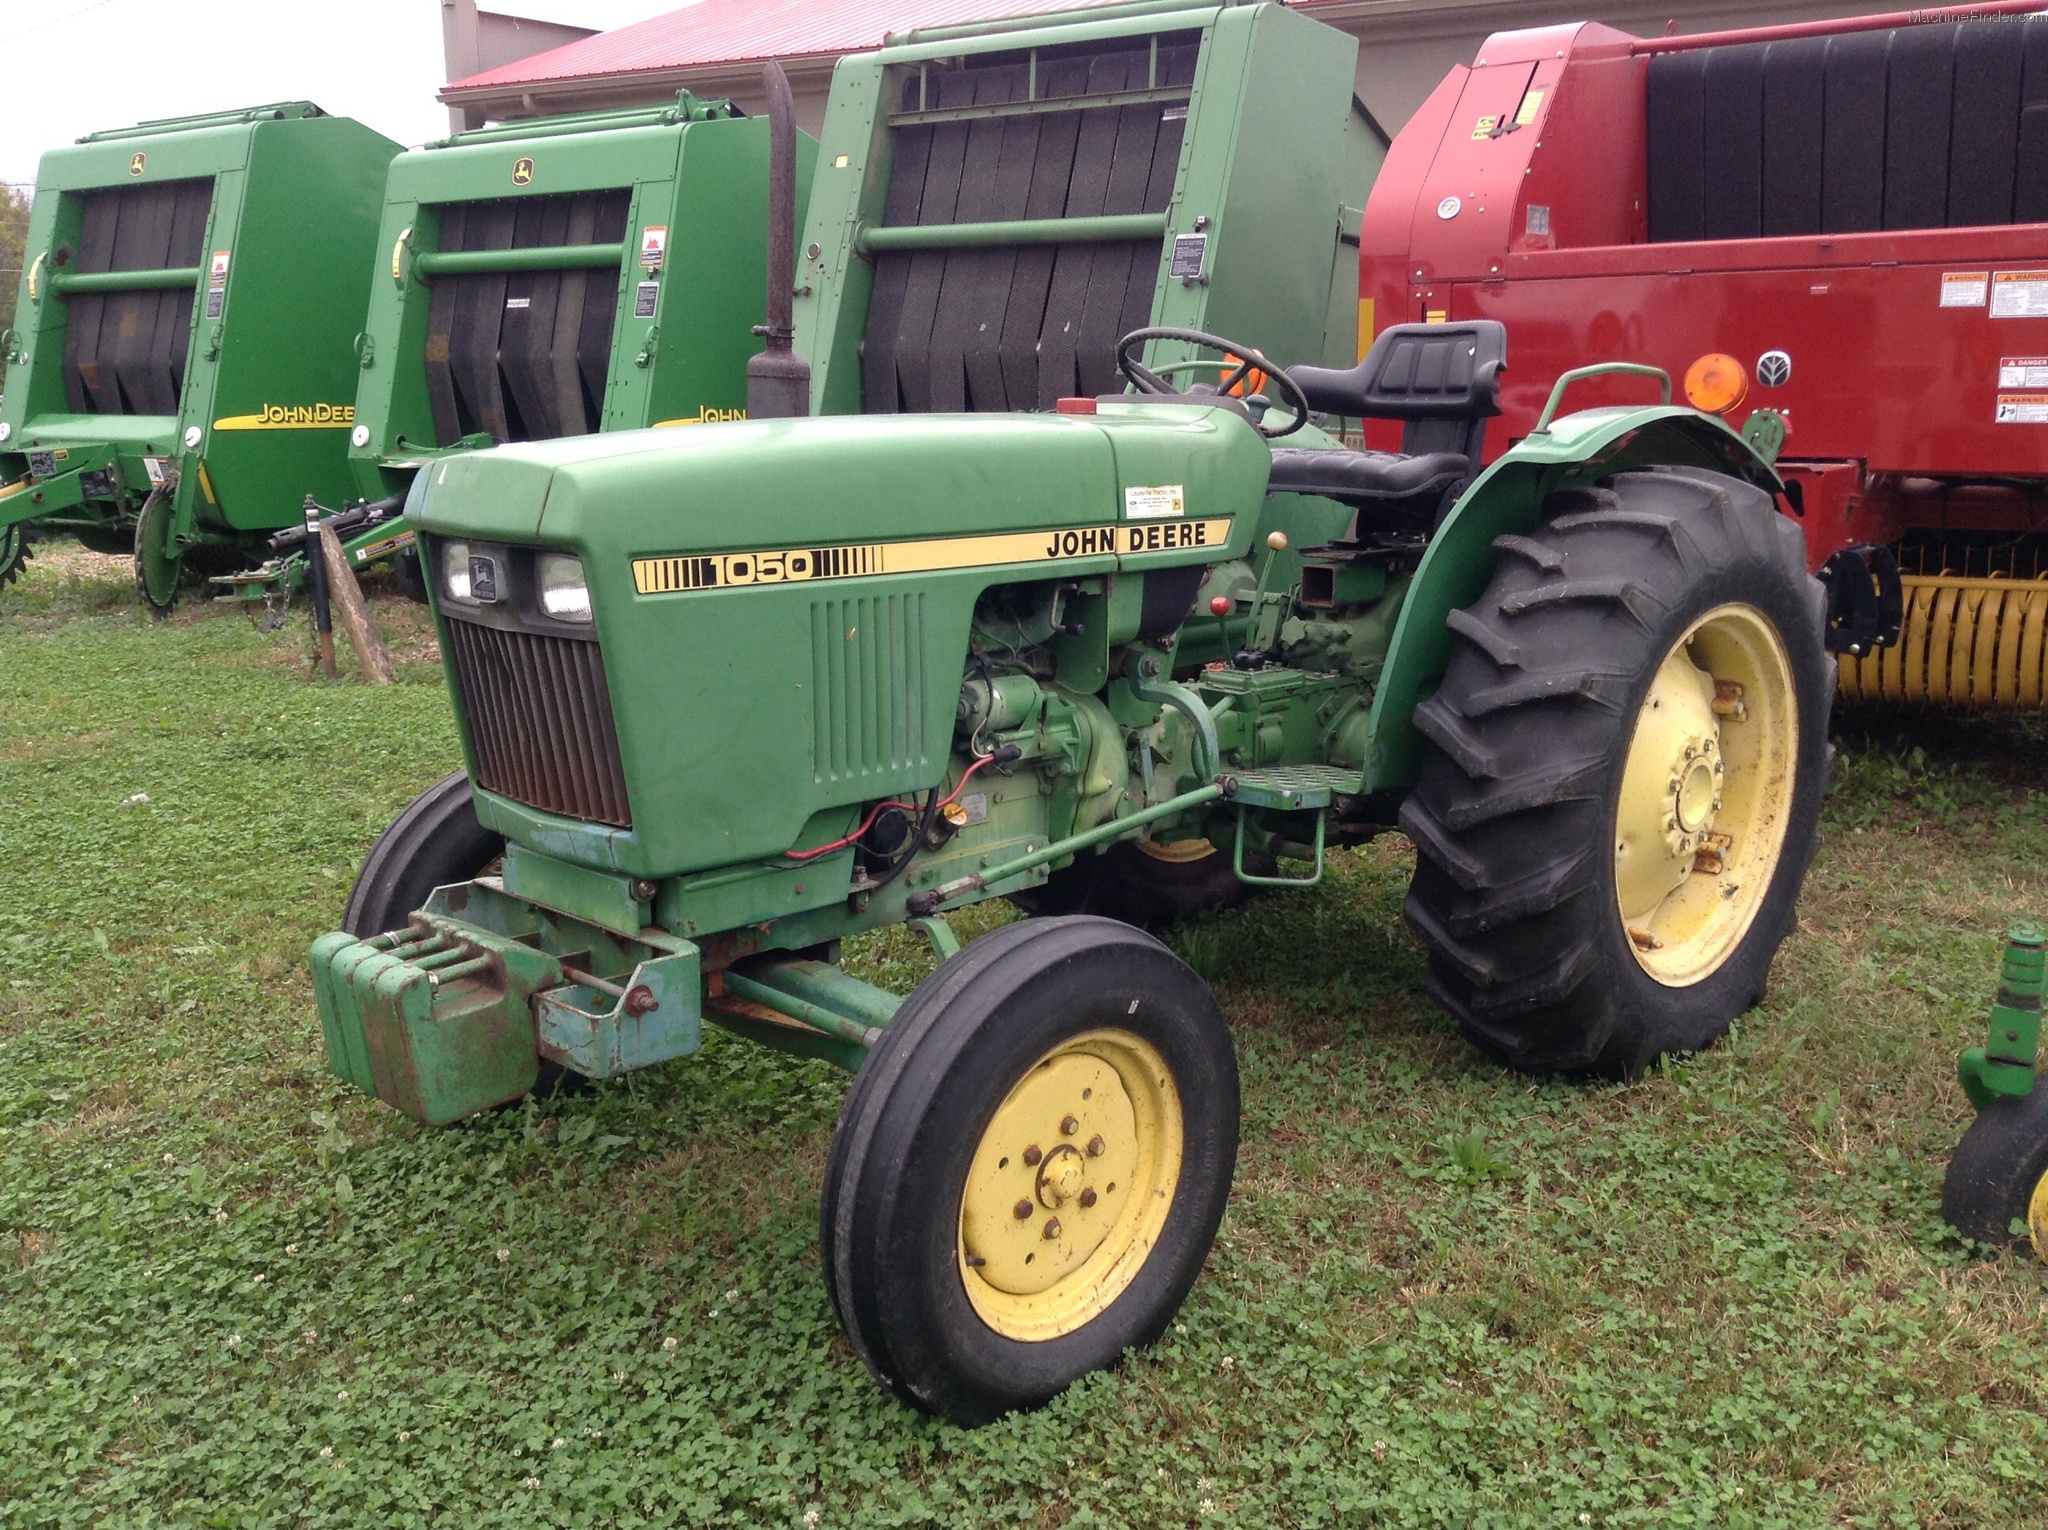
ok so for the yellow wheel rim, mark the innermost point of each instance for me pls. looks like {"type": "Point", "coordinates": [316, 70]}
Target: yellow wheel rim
{"type": "Point", "coordinates": [2037, 1217]}
{"type": "Point", "coordinates": [1179, 853]}
{"type": "Point", "coordinates": [1706, 794]}
{"type": "Point", "coordinates": [1070, 1186]}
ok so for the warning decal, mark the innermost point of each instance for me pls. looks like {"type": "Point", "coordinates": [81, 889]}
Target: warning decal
{"type": "Point", "coordinates": [2029, 372]}
{"type": "Point", "coordinates": [1532, 103]}
{"type": "Point", "coordinates": [2019, 295]}
{"type": "Point", "coordinates": [2023, 409]}
{"type": "Point", "coordinates": [653, 242]}
{"type": "Point", "coordinates": [1965, 289]}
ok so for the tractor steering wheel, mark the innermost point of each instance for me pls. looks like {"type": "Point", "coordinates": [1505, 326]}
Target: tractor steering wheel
{"type": "Point", "coordinates": [1239, 362]}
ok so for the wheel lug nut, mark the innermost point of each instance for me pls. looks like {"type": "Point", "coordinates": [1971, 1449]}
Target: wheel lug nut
{"type": "Point", "coordinates": [1069, 1125]}
{"type": "Point", "coordinates": [1023, 1209]}
{"type": "Point", "coordinates": [1032, 1155]}
{"type": "Point", "coordinates": [1095, 1146]}
{"type": "Point", "coordinates": [1088, 1196]}
{"type": "Point", "coordinates": [1052, 1227]}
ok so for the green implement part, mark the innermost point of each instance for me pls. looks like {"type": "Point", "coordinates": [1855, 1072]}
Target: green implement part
{"type": "Point", "coordinates": [2003, 1068]}
{"type": "Point", "coordinates": [184, 333]}
{"type": "Point", "coordinates": [595, 272]}
{"type": "Point", "coordinates": [995, 207]}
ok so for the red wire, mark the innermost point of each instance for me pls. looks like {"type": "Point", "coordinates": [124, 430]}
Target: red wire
{"type": "Point", "coordinates": [968, 775]}
{"type": "Point", "coordinates": [841, 844]}
{"type": "Point", "coordinates": [879, 808]}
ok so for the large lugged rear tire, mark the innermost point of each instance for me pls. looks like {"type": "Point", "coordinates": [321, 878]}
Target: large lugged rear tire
{"type": "Point", "coordinates": [1622, 777]}
{"type": "Point", "coordinates": [1999, 1174]}
{"type": "Point", "coordinates": [1030, 1168]}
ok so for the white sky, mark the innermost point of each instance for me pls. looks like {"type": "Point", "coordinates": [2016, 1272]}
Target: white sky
{"type": "Point", "coordinates": [113, 63]}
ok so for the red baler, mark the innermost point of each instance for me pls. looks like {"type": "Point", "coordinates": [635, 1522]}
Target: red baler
{"type": "Point", "coordinates": [1838, 226]}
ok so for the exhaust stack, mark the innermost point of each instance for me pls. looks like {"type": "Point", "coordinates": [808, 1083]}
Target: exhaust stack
{"type": "Point", "coordinates": [779, 380]}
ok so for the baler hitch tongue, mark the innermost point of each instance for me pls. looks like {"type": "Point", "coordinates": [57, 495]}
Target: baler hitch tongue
{"type": "Point", "coordinates": [436, 1019]}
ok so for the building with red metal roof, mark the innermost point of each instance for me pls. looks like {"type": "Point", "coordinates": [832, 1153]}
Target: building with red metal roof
{"type": "Point", "coordinates": [717, 47]}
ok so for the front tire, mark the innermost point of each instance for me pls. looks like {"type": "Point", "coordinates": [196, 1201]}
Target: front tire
{"type": "Point", "coordinates": [1031, 1167]}
{"type": "Point", "coordinates": [1999, 1175]}
{"type": "Point", "coordinates": [434, 842]}
{"type": "Point", "coordinates": [1622, 775]}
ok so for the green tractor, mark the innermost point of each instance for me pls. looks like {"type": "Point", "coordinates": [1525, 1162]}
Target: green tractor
{"type": "Point", "coordinates": [732, 694]}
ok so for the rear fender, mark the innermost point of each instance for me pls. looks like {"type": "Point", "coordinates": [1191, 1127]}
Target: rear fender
{"type": "Point", "coordinates": [1508, 498]}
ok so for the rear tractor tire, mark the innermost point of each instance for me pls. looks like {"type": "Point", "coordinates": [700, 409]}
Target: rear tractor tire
{"type": "Point", "coordinates": [1999, 1175]}
{"type": "Point", "coordinates": [1030, 1169]}
{"type": "Point", "coordinates": [1622, 775]}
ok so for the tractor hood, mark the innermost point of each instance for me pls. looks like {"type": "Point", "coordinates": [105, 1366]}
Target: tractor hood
{"type": "Point", "coordinates": [798, 483]}
{"type": "Point", "coordinates": [782, 608]}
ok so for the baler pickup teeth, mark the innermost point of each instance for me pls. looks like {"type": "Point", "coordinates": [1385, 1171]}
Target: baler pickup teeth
{"type": "Point", "coordinates": [1966, 642]}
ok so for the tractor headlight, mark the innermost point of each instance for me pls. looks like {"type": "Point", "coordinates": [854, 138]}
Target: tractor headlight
{"type": "Point", "coordinates": [455, 573]}
{"type": "Point", "coordinates": [564, 593]}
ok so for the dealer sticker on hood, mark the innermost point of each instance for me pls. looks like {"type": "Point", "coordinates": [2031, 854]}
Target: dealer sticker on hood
{"type": "Point", "coordinates": [1154, 503]}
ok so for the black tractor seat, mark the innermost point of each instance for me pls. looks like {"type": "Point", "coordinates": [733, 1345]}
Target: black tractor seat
{"type": "Point", "coordinates": [1443, 380]}
{"type": "Point", "coordinates": [1353, 477]}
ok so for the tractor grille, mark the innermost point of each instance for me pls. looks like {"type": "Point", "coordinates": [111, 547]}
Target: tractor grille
{"type": "Point", "coordinates": [540, 721]}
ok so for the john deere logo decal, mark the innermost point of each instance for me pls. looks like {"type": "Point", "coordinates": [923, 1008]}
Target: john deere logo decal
{"type": "Point", "coordinates": [138, 163]}
{"type": "Point", "coordinates": [683, 571]}
{"type": "Point", "coordinates": [522, 171]}
{"type": "Point", "coordinates": [292, 417]}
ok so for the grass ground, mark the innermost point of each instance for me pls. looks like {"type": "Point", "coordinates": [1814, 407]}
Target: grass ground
{"type": "Point", "coordinates": [233, 1292]}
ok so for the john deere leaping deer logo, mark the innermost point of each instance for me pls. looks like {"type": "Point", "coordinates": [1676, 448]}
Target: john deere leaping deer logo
{"type": "Point", "coordinates": [522, 171]}
{"type": "Point", "coordinates": [138, 163]}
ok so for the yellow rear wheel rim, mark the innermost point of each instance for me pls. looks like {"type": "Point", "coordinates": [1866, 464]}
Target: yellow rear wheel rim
{"type": "Point", "coordinates": [1706, 794]}
{"type": "Point", "coordinates": [2037, 1218]}
{"type": "Point", "coordinates": [1070, 1186]}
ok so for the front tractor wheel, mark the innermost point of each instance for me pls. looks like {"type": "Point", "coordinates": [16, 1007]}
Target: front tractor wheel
{"type": "Point", "coordinates": [434, 842]}
{"type": "Point", "coordinates": [1031, 1167]}
{"type": "Point", "coordinates": [1622, 775]}
{"type": "Point", "coordinates": [1999, 1175]}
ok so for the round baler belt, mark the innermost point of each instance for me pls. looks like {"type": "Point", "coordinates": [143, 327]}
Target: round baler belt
{"type": "Point", "coordinates": [1965, 642]}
